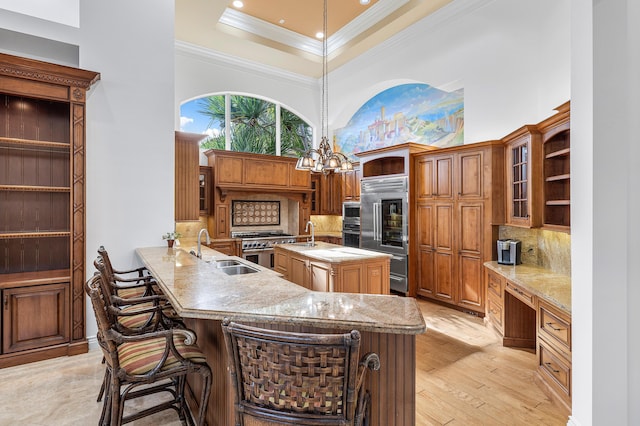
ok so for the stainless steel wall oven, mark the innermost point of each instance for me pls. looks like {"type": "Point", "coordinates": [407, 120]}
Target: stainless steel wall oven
{"type": "Point", "coordinates": [351, 224]}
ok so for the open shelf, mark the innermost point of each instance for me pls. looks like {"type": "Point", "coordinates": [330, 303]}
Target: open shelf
{"type": "Point", "coordinates": [557, 181]}
{"type": "Point", "coordinates": [558, 177]}
{"type": "Point", "coordinates": [33, 143]}
{"type": "Point", "coordinates": [559, 153]}
{"type": "Point", "coordinates": [35, 278]}
{"type": "Point", "coordinates": [558, 203]}
{"type": "Point", "coordinates": [43, 234]}
{"type": "Point", "coordinates": [34, 188]}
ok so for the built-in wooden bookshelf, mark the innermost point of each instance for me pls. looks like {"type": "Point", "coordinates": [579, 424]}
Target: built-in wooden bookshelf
{"type": "Point", "coordinates": [42, 222]}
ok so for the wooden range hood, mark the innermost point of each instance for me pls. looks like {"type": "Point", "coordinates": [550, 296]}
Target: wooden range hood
{"type": "Point", "coordinates": [241, 172]}
{"type": "Point", "coordinates": [247, 172]}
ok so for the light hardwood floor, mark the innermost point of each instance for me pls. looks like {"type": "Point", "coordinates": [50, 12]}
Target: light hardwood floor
{"type": "Point", "coordinates": [464, 377]}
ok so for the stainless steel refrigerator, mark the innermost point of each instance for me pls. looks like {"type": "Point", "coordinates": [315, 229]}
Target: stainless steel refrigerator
{"type": "Point", "coordinates": [384, 223]}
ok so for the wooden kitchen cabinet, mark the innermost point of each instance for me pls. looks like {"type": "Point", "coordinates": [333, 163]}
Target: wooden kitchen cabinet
{"type": "Point", "coordinates": [319, 276]}
{"type": "Point", "coordinates": [187, 175]}
{"type": "Point", "coordinates": [315, 194]}
{"type": "Point", "coordinates": [42, 225]}
{"type": "Point", "coordinates": [523, 152]}
{"type": "Point", "coordinates": [330, 200]}
{"type": "Point", "coordinates": [434, 176]}
{"type": "Point", "coordinates": [35, 317]}
{"type": "Point", "coordinates": [204, 190]}
{"type": "Point", "coordinates": [554, 351]}
{"type": "Point", "coordinates": [457, 213]}
{"type": "Point", "coordinates": [495, 300]}
{"type": "Point", "coordinates": [351, 185]}
{"type": "Point", "coordinates": [241, 171]}
{"type": "Point", "coordinates": [228, 247]}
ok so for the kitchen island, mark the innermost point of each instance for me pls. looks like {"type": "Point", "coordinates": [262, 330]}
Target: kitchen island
{"type": "Point", "coordinates": [330, 267]}
{"type": "Point", "coordinates": [203, 294]}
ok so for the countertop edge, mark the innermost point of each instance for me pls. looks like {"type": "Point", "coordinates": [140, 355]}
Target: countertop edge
{"type": "Point", "coordinates": [414, 327]}
{"type": "Point", "coordinates": [558, 292]}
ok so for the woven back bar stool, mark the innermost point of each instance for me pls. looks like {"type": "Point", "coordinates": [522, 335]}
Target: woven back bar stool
{"type": "Point", "coordinates": [145, 363]}
{"type": "Point", "coordinates": [285, 378]}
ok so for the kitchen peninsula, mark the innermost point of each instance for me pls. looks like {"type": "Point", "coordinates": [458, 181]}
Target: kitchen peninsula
{"type": "Point", "coordinates": [203, 294]}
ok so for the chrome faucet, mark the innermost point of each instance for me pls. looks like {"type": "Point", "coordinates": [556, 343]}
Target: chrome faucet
{"type": "Point", "coordinates": [200, 238]}
{"type": "Point", "coordinates": [313, 232]}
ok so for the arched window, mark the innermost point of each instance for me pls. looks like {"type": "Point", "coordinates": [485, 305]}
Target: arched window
{"type": "Point", "coordinates": [244, 123]}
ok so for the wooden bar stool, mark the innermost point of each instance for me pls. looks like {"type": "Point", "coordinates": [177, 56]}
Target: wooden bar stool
{"type": "Point", "coordinates": [145, 363]}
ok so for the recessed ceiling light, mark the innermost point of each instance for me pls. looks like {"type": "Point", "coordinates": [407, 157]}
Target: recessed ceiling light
{"type": "Point", "coordinates": [320, 34]}
{"type": "Point", "coordinates": [239, 4]}
{"type": "Point", "coordinates": [281, 21]}
{"type": "Point", "coordinates": [365, 1]}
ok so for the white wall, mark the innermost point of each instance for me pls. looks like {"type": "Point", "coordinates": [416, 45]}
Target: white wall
{"type": "Point", "coordinates": [130, 132]}
{"type": "Point", "coordinates": [605, 176]}
{"type": "Point", "coordinates": [511, 57]}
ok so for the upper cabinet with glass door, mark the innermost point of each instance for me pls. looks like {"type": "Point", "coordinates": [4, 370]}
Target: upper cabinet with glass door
{"type": "Point", "coordinates": [523, 151]}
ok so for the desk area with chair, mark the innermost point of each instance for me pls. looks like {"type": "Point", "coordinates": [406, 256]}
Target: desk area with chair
{"type": "Point", "coordinates": [204, 297]}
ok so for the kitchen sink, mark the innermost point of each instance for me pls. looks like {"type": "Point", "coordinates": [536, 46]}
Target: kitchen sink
{"type": "Point", "coordinates": [239, 269]}
{"type": "Point", "coordinates": [305, 244]}
{"type": "Point", "coordinates": [226, 263]}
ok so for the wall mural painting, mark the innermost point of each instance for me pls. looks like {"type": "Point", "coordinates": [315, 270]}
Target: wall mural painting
{"type": "Point", "coordinates": [406, 113]}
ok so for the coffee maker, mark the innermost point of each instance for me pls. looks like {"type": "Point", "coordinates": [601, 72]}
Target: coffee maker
{"type": "Point", "coordinates": [509, 252]}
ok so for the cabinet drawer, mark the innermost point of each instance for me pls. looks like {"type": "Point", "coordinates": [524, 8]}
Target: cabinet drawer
{"type": "Point", "coordinates": [554, 326]}
{"type": "Point", "coordinates": [555, 369]}
{"type": "Point", "coordinates": [494, 312]}
{"type": "Point", "coordinates": [494, 284]}
{"type": "Point", "coordinates": [521, 294]}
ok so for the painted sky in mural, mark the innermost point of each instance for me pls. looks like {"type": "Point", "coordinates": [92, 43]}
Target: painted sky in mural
{"type": "Point", "coordinates": [406, 113]}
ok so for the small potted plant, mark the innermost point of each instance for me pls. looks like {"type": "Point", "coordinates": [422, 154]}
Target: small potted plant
{"type": "Point", "coordinates": [171, 237]}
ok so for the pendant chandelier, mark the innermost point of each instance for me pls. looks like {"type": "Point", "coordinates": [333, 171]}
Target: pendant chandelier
{"type": "Point", "coordinates": [323, 159]}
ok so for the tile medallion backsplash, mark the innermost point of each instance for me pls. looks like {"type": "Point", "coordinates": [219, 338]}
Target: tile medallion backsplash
{"type": "Point", "coordinates": [251, 212]}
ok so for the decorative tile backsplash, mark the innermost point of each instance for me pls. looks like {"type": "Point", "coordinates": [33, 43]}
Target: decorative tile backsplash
{"type": "Point", "coordinates": [251, 213]}
{"type": "Point", "coordinates": [549, 249]}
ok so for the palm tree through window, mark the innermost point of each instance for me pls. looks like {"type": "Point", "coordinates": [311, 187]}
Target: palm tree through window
{"type": "Point", "coordinates": [251, 125]}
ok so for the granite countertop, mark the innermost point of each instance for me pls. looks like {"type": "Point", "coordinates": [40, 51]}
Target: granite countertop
{"type": "Point", "coordinates": [332, 253]}
{"type": "Point", "coordinates": [553, 287]}
{"type": "Point", "coordinates": [198, 289]}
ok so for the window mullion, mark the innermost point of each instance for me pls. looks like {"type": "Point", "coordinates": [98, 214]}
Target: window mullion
{"type": "Point", "coordinates": [278, 127]}
{"type": "Point", "coordinates": [227, 122]}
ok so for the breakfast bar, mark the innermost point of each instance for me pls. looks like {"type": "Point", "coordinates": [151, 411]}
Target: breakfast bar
{"type": "Point", "coordinates": [206, 290]}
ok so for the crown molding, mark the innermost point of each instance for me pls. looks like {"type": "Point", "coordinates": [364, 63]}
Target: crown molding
{"type": "Point", "coordinates": [361, 23]}
{"type": "Point", "coordinates": [245, 65]}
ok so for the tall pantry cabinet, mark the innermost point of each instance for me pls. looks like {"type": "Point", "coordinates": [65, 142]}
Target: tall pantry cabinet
{"type": "Point", "coordinates": [458, 210]}
{"type": "Point", "coordinates": [42, 209]}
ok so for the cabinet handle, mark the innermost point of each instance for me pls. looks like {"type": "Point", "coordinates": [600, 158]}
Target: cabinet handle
{"type": "Point", "coordinates": [6, 302]}
{"type": "Point", "coordinates": [550, 325]}
{"type": "Point", "coordinates": [520, 292]}
{"type": "Point", "coordinates": [550, 367]}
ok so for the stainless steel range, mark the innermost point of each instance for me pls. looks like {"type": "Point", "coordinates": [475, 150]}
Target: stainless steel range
{"type": "Point", "coordinates": [257, 246]}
